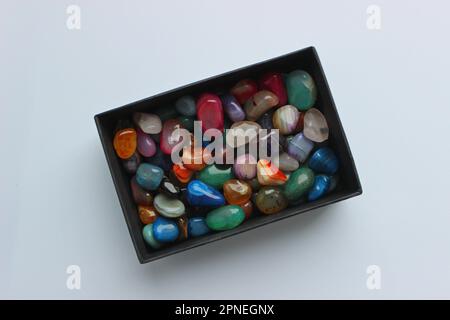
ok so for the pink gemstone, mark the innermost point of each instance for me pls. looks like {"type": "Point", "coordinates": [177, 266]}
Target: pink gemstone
{"type": "Point", "coordinates": [274, 82]}
{"type": "Point", "coordinates": [210, 112]}
{"type": "Point", "coordinates": [145, 144]}
{"type": "Point", "coordinates": [169, 136]}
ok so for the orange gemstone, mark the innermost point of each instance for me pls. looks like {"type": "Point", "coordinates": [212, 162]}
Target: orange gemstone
{"type": "Point", "coordinates": [248, 209]}
{"type": "Point", "coordinates": [193, 159]}
{"type": "Point", "coordinates": [268, 174]}
{"type": "Point", "coordinates": [182, 173]}
{"type": "Point", "coordinates": [125, 142]}
{"type": "Point", "coordinates": [236, 191]}
{"type": "Point", "coordinates": [147, 214]}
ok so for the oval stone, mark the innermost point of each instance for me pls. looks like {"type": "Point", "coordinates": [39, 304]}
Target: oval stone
{"type": "Point", "coordinates": [285, 119]}
{"type": "Point", "coordinates": [232, 108]}
{"type": "Point", "coordinates": [147, 234]}
{"type": "Point", "coordinates": [125, 142]}
{"type": "Point", "coordinates": [165, 230]}
{"type": "Point", "coordinates": [260, 103]}
{"type": "Point", "coordinates": [299, 147]}
{"type": "Point", "coordinates": [287, 163]}
{"type": "Point", "coordinates": [241, 133]}
{"type": "Point", "coordinates": [147, 122]}
{"type": "Point", "coordinates": [169, 207]}
{"type": "Point", "coordinates": [210, 112]}
{"type": "Point", "coordinates": [147, 214]}
{"type": "Point", "coordinates": [315, 126]}
{"type": "Point", "coordinates": [319, 188]}
{"type": "Point", "coordinates": [299, 183]}
{"type": "Point", "coordinates": [301, 89]}
{"type": "Point", "coordinates": [273, 82]}
{"type": "Point", "coordinates": [161, 160]}
{"type": "Point", "coordinates": [131, 164]}
{"type": "Point", "coordinates": [324, 160]}
{"type": "Point", "coordinates": [244, 90]}
{"type": "Point", "coordinates": [197, 227]}
{"type": "Point", "coordinates": [186, 106]}
{"type": "Point", "coordinates": [237, 192]}
{"type": "Point", "coordinates": [140, 195]}
{"type": "Point", "coordinates": [170, 135]}
{"type": "Point", "coordinates": [201, 194]}
{"type": "Point", "coordinates": [193, 158]}
{"type": "Point", "coordinates": [270, 200]}
{"type": "Point", "coordinates": [149, 176]}
{"type": "Point", "coordinates": [245, 167]}
{"type": "Point", "coordinates": [225, 218]}
{"type": "Point", "coordinates": [145, 144]}
{"type": "Point", "coordinates": [268, 174]}
{"type": "Point", "coordinates": [215, 175]}
{"type": "Point", "coordinates": [182, 174]}
{"type": "Point", "coordinates": [265, 121]}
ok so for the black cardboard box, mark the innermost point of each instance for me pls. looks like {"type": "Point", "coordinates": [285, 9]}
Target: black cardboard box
{"type": "Point", "coordinates": [305, 59]}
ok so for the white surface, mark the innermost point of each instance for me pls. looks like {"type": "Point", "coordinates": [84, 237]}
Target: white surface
{"type": "Point", "coordinates": [57, 202]}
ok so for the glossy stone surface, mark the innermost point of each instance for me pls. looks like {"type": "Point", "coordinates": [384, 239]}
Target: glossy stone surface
{"type": "Point", "coordinates": [301, 89]}
{"type": "Point", "coordinates": [147, 234]}
{"type": "Point", "coordinates": [244, 90]}
{"type": "Point", "coordinates": [168, 187]}
{"type": "Point", "coordinates": [265, 121]}
{"type": "Point", "coordinates": [324, 160]}
{"type": "Point", "coordinates": [210, 111]}
{"type": "Point", "coordinates": [200, 194]}
{"type": "Point", "coordinates": [273, 82]}
{"type": "Point", "coordinates": [169, 207]}
{"type": "Point", "coordinates": [147, 122]}
{"type": "Point", "coordinates": [193, 159]}
{"type": "Point", "coordinates": [125, 142]}
{"type": "Point", "coordinates": [299, 147]}
{"type": "Point", "coordinates": [287, 163]}
{"type": "Point", "coordinates": [270, 200]}
{"type": "Point", "coordinates": [285, 119]}
{"type": "Point", "coordinates": [269, 175]}
{"type": "Point", "coordinates": [319, 188]}
{"type": "Point", "coordinates": [260, 103]}
{"type": "Point", "coordinates": [182, 223]}
{"type": "Point", "coordinates": [225, 218]}
{"type": "Point", "coordinates": [187, 122]}
{"type": "Point", "coordinates": [232, 108]}
{"type": "Point", "coordinates": [197, 227]}
{"type": "Point", "coordinates": [149, 176]}
{"type": "Point", "coordinates": [145, 144]}
{"type": "Point", "coordinates": [245, 167]}
{"type": "Point", "coordinates": [160, 160]}
{"type": "Point", "coordinates": [315, 126]}
{"type": "Point", "coordinates": [248, 209]}
{"type": "Point", "coordinates": [243, 132]}
{"type": "Point", "coordinates": [165, 230]}
{"type": "Point", "coordinates": [299, 183]}
{"type": "Point", "coordinates": [183, 174]}
{"type": "Point", "coordinates": [147, 214]}
{"type": "Point", "coordinates": [186, 106]}
{"type": "Point", "coordinates": [170, 137]}
{"type": "Point", "coordinates": [140, 195]}
{"type": "Point", "coordinates": [237, 191]}
{"type": "Point", "coordinates": [131, 164]}
{"type": "Point", "coordinates": [215, 175]}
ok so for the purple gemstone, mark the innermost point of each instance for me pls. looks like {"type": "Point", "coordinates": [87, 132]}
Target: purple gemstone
{"type": "Point", "coordinates": [232, 108]}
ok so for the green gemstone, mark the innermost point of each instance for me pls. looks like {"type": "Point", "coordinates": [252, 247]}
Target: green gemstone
{"type": "Point", "coordinates": [300, 181]}
{"type": "Point", "coordinates": [301, 89]}
{"type": "Point", "coordinates": [225, 218]}
{"type": "Point", "coordinates": [215, 175]}
{"type": "Point", "coordinates": [187, 122]}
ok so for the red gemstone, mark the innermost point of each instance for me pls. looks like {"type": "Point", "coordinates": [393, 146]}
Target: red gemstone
{"type": "Point", "coordinates": [169, 137]}
{"type": "Point", "coordinates": [274, 82]}
{"type": "Point", "coordinates": [244, 90]}
{"type": "Point", "coordinates": [210, 112]}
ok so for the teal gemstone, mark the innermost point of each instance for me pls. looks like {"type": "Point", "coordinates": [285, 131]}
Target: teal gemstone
{"type": "Point", "coordinates": [225, 218]}
{"type": "Point", "coordinates": [147, 233]}
{"type": "Point", "coordinates": [149, 176]}
{"type": "Point", "coordinates": [299, 183]}
{"type": "Point", "coordinates": [215, 176]}
{"type": "Point", "coordinates": [301, 89]}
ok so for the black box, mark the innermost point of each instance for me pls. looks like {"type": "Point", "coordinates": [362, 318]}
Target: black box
{"type": "Point", "coordinates": [306, 59]}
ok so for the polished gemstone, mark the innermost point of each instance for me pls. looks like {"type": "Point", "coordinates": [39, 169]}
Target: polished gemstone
{"type": "Point", "coordinates": [147, 234]}
{"type": "Point", "coordinates": [241, 133]}
{"type": "Point", "coordinates": [193, 159]}
{"type": "Point", "coordinates": [232, 108]}
{"type": "Point", "coordinates": [215, 175]}
{"type": "Point", "coordinates": [210, 112]}
{"type": "Point", "coordinates": [315, 126]}
{"type": "Point", "coordinates": [265, 121]}
{"type": "Point", "coordinates": [125, 142]}
{"type": "Point", "coordinates": [171, 135]}
{"type": "Point", "coordinates": [270, 200]}
{"type": "Point", "coordinates": [324, 160]}
{"type": "Point", "coordinates": [187, 122]}
{"type": "Point", "coordinates": [147, 122]}
{"type": "Point", "coordinates": [299, 183]}
{"type": "Point", "coordinates": [149, 176]}
{"type": "Point", "coordinates": [301, 89]}
{"type": "Point", "coordinates": [319, 188]}
{"type": "Point", "coordinates": [145, 144]}
{"type": "Point", "coordinates": [168, 187]}
{"type": "Point", "coordinates": [287, 163]}
{"type": "Point", "coordinates": [169, 207]}
{"type": "Point", "coordinates": [182, 223]}
{"type": "Point", "coordinates": [147, 214]}
{"type": "Point", "coordinates": [197, 227]}
{"type": "Point", "coordinates": [186, 106]}
{"type": "Point", "coordinates": [244, 90]}
{"type": "Point", "coordinates": [245, 166]}
{"type": "Point", "coordinates": [260, 103]}
{"type": "Point", "coordinates": [248, 209]}
{"type": "Point", "coordinates": [225, 218]}
{"type": "Point", "coordinates": [273, 82]}
{"type": "Point", "coordinates": [160, 160]}
{"type": "Point", "coordinates": [237, 191]}
{"type": "Point", "coordinates": [285, 119]}
{"type": "Point", "coordinates": [140, 195]}
{"type": "Point", "coordinates": [299, 147]}
{"type": "Point", "coordinates": [165, 230]}
{"type": "Point", "coordinates": [268, 174]}
{"type": "Point", "coordinates": [200, 194]}
{"type": "Point", "coordinates": [131, 164]}
{"type": "Point", "coordinates": [254, 183]}
{"type": "Point", "coordinates": [182, 173]}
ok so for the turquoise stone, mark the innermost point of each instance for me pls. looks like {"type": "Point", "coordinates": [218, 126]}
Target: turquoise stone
{"type": "Point", "coordinates": [201, 194]}
{"type": "Point", "coordinates": [215, 176]}
{"type": "Point", "coordinates": [324, 160]}
{"type": "Point", "coordinates": [168, 206]}
{"type": "Point", "coordinates": [165, 230]}
{"type": "Point", "coordinates": [147, 234]}
{"type": "Point", "coordinates": [302, 91]}
{"type": "Point", "coordinates": [225, 218]}
{"type": "Point", "coordinates": [319, 188]}
{"type": "Point", "coordinates": [149, 176]}
{"type": "Point", "coordinates": [186, 106]}
{"type": "Point", "coordinates": [299, 182]}
{"type": "Point", "coordinates": [197, 227]}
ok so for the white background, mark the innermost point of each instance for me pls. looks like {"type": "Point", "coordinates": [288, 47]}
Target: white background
{"type": "Point", "coordinates": [58, 206]}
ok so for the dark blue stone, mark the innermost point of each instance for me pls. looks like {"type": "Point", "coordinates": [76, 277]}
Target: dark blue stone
{"type": "Point", "coordinates": [324, 160]}
{"type": "Point", "coordinates": [265, 121]}
{"type": "Point", "coordinates": [161, 160]}
{"type": "Point", "coordinates": [197, 227]}
{"type": "Point", "coordinates": [319, 188]}
{"type": "Point", "coordinates": [165, 230]}
{"type": "Point", "coordinates": [201, 194]}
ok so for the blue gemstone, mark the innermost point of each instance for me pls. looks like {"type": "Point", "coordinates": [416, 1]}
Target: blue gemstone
{"type": "Point", "coordinates": [324, 160]}
{"type": "Point", "coordinates": [147, 233]}
{"type": "Point", "coordinates": [197, 227]}
{"type": "Point", "coordinates": [201, 194]}
{"type": "Point", "coordinates": [165, 230]}
{"type": "Point", "coordinates": [319, 188]}
{"type": "Point", "coordinates": [149, 176]}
